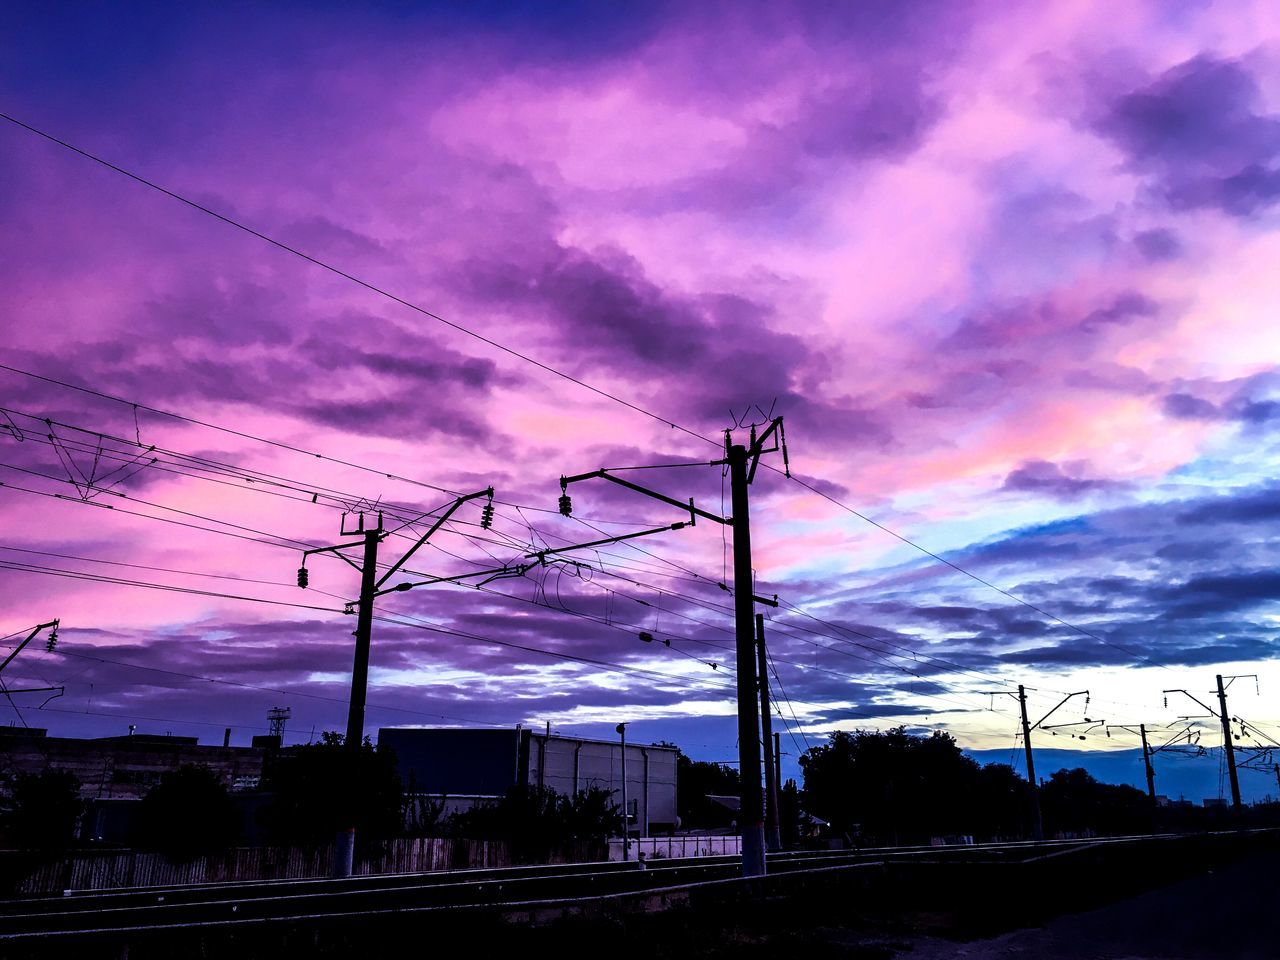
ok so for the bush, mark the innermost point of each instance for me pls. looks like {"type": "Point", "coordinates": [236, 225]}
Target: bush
{"type": "Point", "coordinates": [44, 810]}
{"type": "Point", "coordinates": [188, 814]}
{"type": "Point", "coordinates": [321, 788]}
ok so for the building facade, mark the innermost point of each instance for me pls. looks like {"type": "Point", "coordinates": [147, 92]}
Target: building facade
{"type": "Point", "coordinates": [121, 768]}
{"type": "Point", "coordinates": [465, 767]}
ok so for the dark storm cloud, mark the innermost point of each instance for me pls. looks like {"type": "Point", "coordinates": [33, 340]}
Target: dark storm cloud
{"type": "Point", "coordinates": [1187, 587]}
{"type": "Point", "coordinates": [1249, 402]}
{"type": "Point", "coordinates": [606, 314]}
{"type": "Point", "coordinates": [1248, 506]}
{"type": "Point", "coordinates": [354, 371]}
{"type": "Point", "coordinates": [1196, 131]}
{"type": "Point", "coordinates": [1158, 245]}
{"type": "Point", "coordinates": [1183, 406]}
{"type": "Point", "coordinates": [1218, 594]}
{"type": "Point", "coordinates": [1050, 479]}
{"type": "Point", "coordinates": [1026, 322]}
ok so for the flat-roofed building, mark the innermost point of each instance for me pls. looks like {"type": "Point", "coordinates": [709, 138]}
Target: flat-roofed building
{"type": "Point", "coordinates": [464, 767]}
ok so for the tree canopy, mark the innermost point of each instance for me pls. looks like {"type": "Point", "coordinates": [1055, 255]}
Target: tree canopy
{"type": "Point", "coordinates": [320, 788]}
{"type": "Point", "coordinates": [897, 787]}
{"type": "Point", "coordinates": [189, 813]}
{"type": "Point", "coordinates": [44, 809]}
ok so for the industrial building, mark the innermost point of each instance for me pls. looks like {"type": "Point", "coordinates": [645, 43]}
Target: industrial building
{"type": "Point", "coordinates": [124, 767]}
{"type": "Point", "coordinates": [464, 767]}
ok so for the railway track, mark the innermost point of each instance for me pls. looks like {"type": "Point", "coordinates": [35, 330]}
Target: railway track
{"type": "Point", "coordinates": [522, 891]}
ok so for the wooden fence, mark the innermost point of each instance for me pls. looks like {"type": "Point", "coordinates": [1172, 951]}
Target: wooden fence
{"type": "Point", "coordinates": [32, 874]}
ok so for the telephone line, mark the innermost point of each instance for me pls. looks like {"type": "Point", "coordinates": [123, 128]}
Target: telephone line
{"type": "Point", "coordinates": [373, 288]}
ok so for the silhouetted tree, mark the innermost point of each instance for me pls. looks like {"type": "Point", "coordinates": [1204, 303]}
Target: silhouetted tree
{"type": "Point", "coordinates": [891, 786]}
{"type": "Point", "coordinates": [536, 821]}
{"type": "Point", "coordinates": [1072, 800]}
{"type": "Point", "coordinates": [320, 788]}
{"type": "Point", "coordinates": [189, 813]}
{"type": "Point", "coordinates": [999, 804]}
{"type": "Point", "coordinates": [695, 780]}
{"type": "Point", "coordinates": [789, 812]}
{"type": "Point", "coordinates": [43, 809]}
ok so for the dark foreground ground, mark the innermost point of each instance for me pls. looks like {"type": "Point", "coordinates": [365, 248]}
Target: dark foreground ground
{"type": "Point", "coordinates": [1206, 897]}
{"type": "Point", "coordinates": [1224, 914]}
{"type": "Point", "coordinates": [1207, 905]}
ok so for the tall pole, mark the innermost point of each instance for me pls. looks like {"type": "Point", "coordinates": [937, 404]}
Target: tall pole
{"type": "Point", "coordinates": [344, 847]}
{"type": "Point", "coordinates": [1228, 746]}
{"type": "Point", "coordinates": [1146, 762]}
{"type": "Point", "coordinates": [777, 766]}
{"type": "Point", "coordinates": [626, 825]}
{"type": "Point", "coordinates": [772, 833]}
{"type": "Point", "coordinates": [1037, 827]}
{"type": "Point", "coordinates": [363, 635]}
{"type": "Point", "coordinates": [750, 815]}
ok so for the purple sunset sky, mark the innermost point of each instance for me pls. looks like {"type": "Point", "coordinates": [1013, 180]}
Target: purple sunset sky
{"type": "Point", "coordinates": [1007, 270]}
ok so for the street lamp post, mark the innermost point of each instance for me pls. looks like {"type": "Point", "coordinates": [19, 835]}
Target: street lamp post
{"type": "Point", "coordinates": [626, 826]}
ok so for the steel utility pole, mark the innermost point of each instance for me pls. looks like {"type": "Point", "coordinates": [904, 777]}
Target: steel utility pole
{"type": "Point", "coordinates": [750, 814]}
{"type": "Point", "coordinates": [371, 587]}
{"type": "Point", "coordinates": [772, 832]}
{"type": "Point", "coordinates": [777, 768]}
{"type": "Point", "coordinates": [1225, 719]}
{"type": "Point", "coordinates": [363, 634]}
{"type": "Point", "coordinates": [1037, 825]}
{"type": "Point", "coordinates": [1147, 754]}
{"type": "Point", "coordinates": [626, 814]}
{"type": "Point", "coordinates": [742, 462]}
{"type": "Point", "coordinates": [1147, 764]}
{"type": "Point", "coordinates": [1228, 746]}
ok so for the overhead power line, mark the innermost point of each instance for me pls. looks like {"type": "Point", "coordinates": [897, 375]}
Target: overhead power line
{"type": "Point", "coordinates": [497, 345]}
{"type": "Point", "coordinates": [371, 287]}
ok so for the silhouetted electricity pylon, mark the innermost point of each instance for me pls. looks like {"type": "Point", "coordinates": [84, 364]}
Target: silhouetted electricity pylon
{"type": "Point", "coordinates": [741, 461]}
{"type": "Point", "coordinates": [1037, 824]}
{"type": "Point", "coordinates": [372, 587]}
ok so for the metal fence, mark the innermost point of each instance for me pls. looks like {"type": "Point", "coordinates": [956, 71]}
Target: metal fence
{"type": "Point", "coordinates": [668, 848]}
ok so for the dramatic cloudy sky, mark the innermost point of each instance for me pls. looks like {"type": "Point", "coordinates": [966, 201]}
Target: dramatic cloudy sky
{"type": "Point", "coordinates": [1007, 271]}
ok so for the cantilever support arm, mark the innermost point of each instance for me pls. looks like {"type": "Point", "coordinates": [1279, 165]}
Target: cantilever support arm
{"type": "Point", "coordinates": [541, 555]}
{"type": "Point", "coordinates": [490, 574]}
{"type": "Point", "coordinates": [1078, 693]}
{"type": "Point", "coordinates": [61, 690]}
{"type": "Point", "coordinates": [1212, 712]}
{"type": "Point", "coordinates": [30, 636]}
{"type": "Point", "coordinates": [757, 447]}
{"type": "Point", "coordinates": [604, 474]}
{"type": "Point", "coordinates": [440, 521]}
{"type": "Point", "coordinates": [336, 550]}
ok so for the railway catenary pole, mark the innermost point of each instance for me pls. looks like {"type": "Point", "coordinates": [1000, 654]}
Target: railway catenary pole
{"type": "Point", "coordinates": [626, 814]}
{"type": "Point", "coordinates": [741, 463]}
{"type": "Point", "coordinates": [1037, 825]}
{"type": "Point", "coordinates": [777, 773]}
{"type": "Point", "coordinates": [772, 832]}
{"type": "Point", "coordinates": [751, 814]}
{"type": "Point", "coordinates": [373, 586]}
{"type": "Point", "coordinates": [1228, 746]}
{"type": "Point", "coordinates": [1146, 763]}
